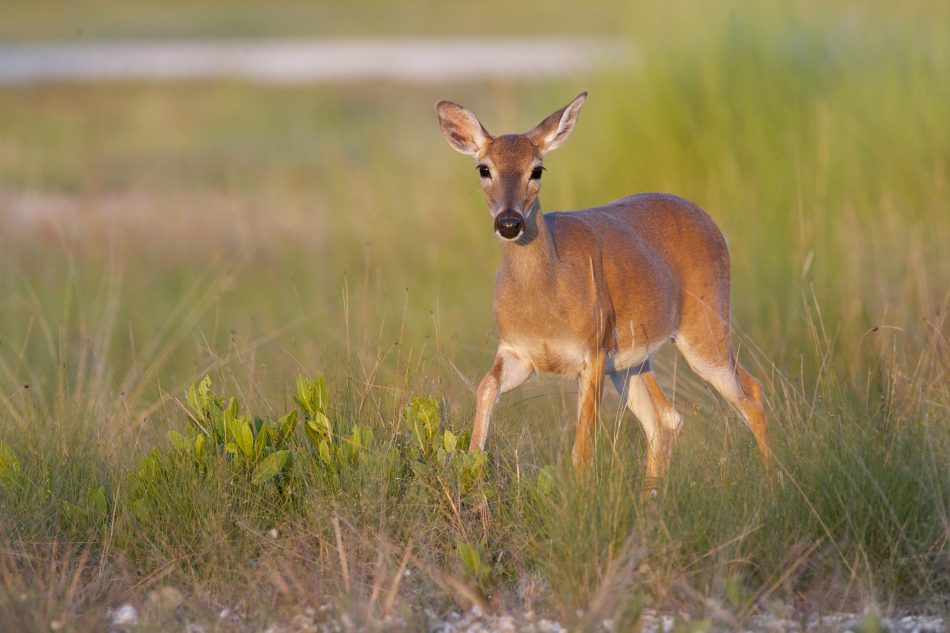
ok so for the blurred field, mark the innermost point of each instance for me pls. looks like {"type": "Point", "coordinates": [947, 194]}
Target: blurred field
{"type": "Point", "coordinates": [110, 19]}
{"type": "Point", "coordinates": [151, 234]}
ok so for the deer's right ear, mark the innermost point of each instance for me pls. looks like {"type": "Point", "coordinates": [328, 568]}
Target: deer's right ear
{"type": "Point", "coordinates": [553, 131]}
{"type": "Point", "coordinates": [461, 129]}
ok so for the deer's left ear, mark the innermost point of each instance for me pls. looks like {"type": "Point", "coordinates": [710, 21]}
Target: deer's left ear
{"type": "Point", "coordinates": [553, 131]}
{"type": "Point", "coordinates": [461, 128]}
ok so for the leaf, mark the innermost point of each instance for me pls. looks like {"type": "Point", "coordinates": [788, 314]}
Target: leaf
{"type": "Point", "coordinates": [312, 395]}
{"type": "Point", "coordinates": [324, 451]}
{"type": "Point", "coordinates": [199, 446]}
{"type": "Point", "coordinates": [244, 437]}
{"type": "Point", "coordinates": [287, 424]}
{"type": "Point", "coordinates": [303, 394]}
{"type": "Point", "coordinates": [322, 422]}
{"type": "Point", "coordinates": [358, 442]}
{"type": "Point", "coordinates": [218, 422]}
{"type": "Point", "coordinates": [232, 409]}
{"type": "Point", "coordinates": [313, 433]}
{"type": "Point", "coordinates": [466, 554]}
{"type": "Point", "coordinates": [237, 429]}
{"type": "Point", "coordinates": [356, 438]}
{"type": "Point", "coordinates": [229, 421]}
{"type": "Point", "coordinates": [449, 441]}
{"type": "Point", "coordinates": [96, 500]}
{"type": "Point", "coordinates": [179, 441]}
{"type": "Point", "coordinates": [472, 562]}
{"type": "Point", "coordinates": [320, 399]}
{"type": "Point", "coordinates": [199, 398]}
{"type": "Point", "coordinates": [422, 414]}
{"type": "Point", "coordinates": [260, 442]}
{"type": "Point", "coordinates": [546, 482]}
{"type": "Point", "coordinates": [470, 469]}
{"type": "Point", "coordinates": [270, 466]}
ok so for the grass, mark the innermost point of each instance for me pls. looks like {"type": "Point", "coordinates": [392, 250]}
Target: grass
{"type": "Point", "coordinates": [155, 234]}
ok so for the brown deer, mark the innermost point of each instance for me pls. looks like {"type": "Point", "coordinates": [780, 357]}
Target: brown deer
{"type": "Point", "coordinates": [594, 293]}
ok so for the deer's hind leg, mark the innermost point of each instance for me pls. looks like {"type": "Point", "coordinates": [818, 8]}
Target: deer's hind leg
{"type": "Point", "coordinates": [661, 423]}
{"type": "Point", "coordinates": [714, 362]}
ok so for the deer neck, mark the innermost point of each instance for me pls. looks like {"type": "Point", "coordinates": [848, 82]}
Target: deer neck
{"type": "Point", "coordinates": [532, 258]}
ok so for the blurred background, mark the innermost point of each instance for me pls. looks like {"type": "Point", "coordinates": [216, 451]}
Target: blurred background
{"type": "Point", "coordinates": [254, 190]}
{"type": "Point", "coordinates": [318, 218]}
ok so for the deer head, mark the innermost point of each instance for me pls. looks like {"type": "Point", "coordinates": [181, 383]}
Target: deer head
{"type": "Point", "coordinates": [510, 166]}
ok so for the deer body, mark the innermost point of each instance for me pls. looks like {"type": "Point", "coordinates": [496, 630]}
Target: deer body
{"type": "Point", "coordinates": [597, 260]}
{"type": "Point", "coordinates": [593, 293]}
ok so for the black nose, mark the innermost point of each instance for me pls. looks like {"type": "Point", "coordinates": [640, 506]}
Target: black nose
{"type": "Point", "coordinates": [509, 225]}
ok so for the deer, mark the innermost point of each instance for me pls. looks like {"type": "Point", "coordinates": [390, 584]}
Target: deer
{"type": "Point", "coordinates": [593, 293]}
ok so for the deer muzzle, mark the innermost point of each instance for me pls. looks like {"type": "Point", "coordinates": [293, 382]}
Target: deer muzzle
{"type": "Point", "coordinates": [509, 224]}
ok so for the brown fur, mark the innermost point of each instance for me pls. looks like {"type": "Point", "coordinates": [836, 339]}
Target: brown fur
{"type": "Point", "coordinates": [596, 291]}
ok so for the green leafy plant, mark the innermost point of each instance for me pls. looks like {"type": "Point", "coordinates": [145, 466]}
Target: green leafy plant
{"type": "Point", "coordinates": [335, 451]}
{"type": "Point", "coordinates": [478, 572]}
{"type": "Point", "coordinates": [141, 481]}
{"type": "Point", "coordinates": [546, 484]}
{"type": "Point", "coordinates": [257, 445]}
{"type": "Point", "coordinates": [422, 417]}
{"type": "Point", "coordinates": [432, 444]}
{"type": "Point", "coordinates": [93, 510]}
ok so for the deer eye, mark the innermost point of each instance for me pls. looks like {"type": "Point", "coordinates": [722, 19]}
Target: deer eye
{"type": "Point", "coordinates": [536, 172]}
{"type": "Point", "coordinates": [483, 171]}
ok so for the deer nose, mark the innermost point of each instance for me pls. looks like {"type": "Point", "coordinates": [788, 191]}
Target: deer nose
{"type": "Point", "coordinates": [509, 224]}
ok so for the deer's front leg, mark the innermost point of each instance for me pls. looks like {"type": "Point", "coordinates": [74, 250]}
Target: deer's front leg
{"type": "Point", "coordinates": [590, 385]}
{"type": "Point", "coordinates": [507, 372]}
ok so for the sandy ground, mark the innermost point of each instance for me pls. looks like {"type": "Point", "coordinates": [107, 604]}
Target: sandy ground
{"type": "Point", "coordinates": [128, 619]}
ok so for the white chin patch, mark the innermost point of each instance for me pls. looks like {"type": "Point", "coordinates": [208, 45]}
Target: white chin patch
{"type": "Point", "coordinates": [509, 239]}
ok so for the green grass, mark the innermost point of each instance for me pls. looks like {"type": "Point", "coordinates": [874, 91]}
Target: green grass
{"type": "Point", "coordinates": [154, 234]}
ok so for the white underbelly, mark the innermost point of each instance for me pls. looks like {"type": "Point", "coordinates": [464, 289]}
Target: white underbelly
{"type": "Point", "coordinates": [624, 359]}
{"type": "Point", "coordinates": [565, 358]}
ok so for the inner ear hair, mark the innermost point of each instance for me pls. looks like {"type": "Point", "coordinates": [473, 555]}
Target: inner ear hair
{"type": "Point", "coordinates": [461, 129]}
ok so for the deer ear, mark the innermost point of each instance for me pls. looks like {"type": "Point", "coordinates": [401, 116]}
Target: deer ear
{"type": "Point", "coordinates": [461, 128]}
{"type": "Point", "coordinates": [553, 131]}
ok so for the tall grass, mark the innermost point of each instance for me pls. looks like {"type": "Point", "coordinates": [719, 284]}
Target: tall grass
{"type": "Point", "coordinates": [153, 235]}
